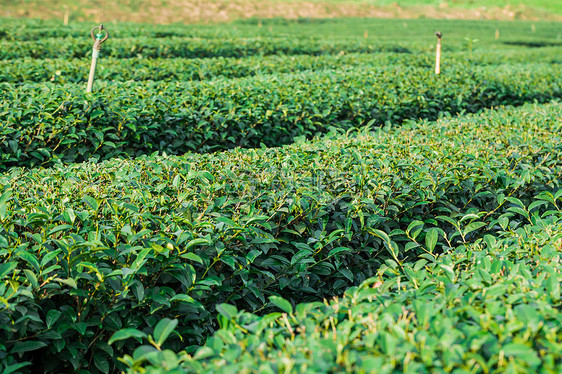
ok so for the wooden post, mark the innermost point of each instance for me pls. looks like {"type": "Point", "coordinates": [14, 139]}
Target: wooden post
{"type": "Point", "coordinates": [438, 53]}
{"type": "Point", "coordinates": [497, 34]}
{"type": "Point", "coordinates": [66, 16]}
{"type": "Point", "coordinates": [98, 38]}
{"type": "Point", "coordinates": [95, 56]}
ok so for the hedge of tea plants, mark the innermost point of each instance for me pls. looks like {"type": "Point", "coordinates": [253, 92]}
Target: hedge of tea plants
{"type": "Point", "coordinates": [420, 31]}
{"type": "Point", "coordinates": [193, 69]}
{"type": "Point", "coordinates": [60, 70]}
{"type": "Point", "coordinates": [491, 306]}
{"type": "Point", "coordinates": [187, 47]}
{"type": "Point", "coordinates": [142, 257]}
{"type": "Point", "coordinates": [47, 123]}
{"type": "Point", "coordinates": [100, 253]}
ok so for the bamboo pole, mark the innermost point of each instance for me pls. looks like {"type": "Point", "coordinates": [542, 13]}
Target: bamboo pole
{"type": "Point", "coordinates": [99, 38]}
{"type": "Point", "coordinates": [95, 55]}
{"type": "Point", "coordinates": [438, 53]}
{"type": "Point", "coordinates": [66, 16]}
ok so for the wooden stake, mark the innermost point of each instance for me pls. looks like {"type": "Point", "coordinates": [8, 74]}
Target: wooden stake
{"type": "Point", "coordinates": [98, 39]}
{"type": "Point", "coordinates": [66, 16]}
{"type": "Point", "coordinates": [366, 34]}
{"type": "Point", "coordinates": [497, 34]}
{"type": "Point", "coordinates": [95, 56]}
{"type": "Point", "coordinates": [438, 53]}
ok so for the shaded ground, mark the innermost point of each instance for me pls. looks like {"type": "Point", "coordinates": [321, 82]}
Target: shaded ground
{"type": "Point", "coordinates": [194, 11]}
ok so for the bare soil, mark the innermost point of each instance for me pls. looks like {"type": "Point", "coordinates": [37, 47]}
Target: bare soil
{"type": "Point", "coordinates": [199, 11]}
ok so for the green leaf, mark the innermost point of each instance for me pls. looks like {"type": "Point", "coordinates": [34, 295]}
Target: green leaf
{"type": "Point", "coordinates": [516, 201]}
{"type": "Point", "coordinates": [5, 196]}
{"type": "Point", "coordinates": [69, 215]}
{"type": "Point", "coordinates": [193, 257]}
{"type": "Point", "coordinates": [338, 250]}
{"type": "Point", "coordinates": [536, 204]}
{"type": "Point", "coordinates": [101, 361]}
{"type": "Point", "coordinates": [431, 239]}
{"type": "Point", "coordinates": [347, 273]}
{"type": "Point", "coordinates": [553, 287]}
{"type": "Point", "coordinates": [228, 222]}
{"type": "Point", "coordinates": [503, 222]}
{"type": "Point", "coordinates": [30, 259]}
{"type": "Point", "coordinates": [449, 271]}
{"type": "Point", "coordinates": [69, 282]}
{"type": "Point", "coordinates": [27, 346]}
{"type": "Point", "coordinates": [52, 316]}
{"type": "Point", "coordinates": [93, 203]}
{"type": "Point", "coordinates": [195, 242]}
{"type": "Point", "coordinates": [186, 299]}
{"type": "Point", "coordinates": [139, 261]}
{"type": "Point", "coordinates": [410, 245]}
{"type": "Point", "coordinates": [472, 227]}
{"type": "Point", "coordinates": [203, 353]}
{"type": "Point", "coordinates": [380, 234]}
{"type": "Point", "coordinates": [414, 228]}
{"type": "Point", "coordinates": [31, 277]}
{"type": "Point", "coordinates": [176, 181]}
{"type": "Point", "coordinates": [282, 304]}
{"type": "Point", "coordinates": [227, 310]}
{"type": "Point", "coordinates": [3, 204]}
{"type": "Point", "coordinates": [518, 210]}
{"type": "Point", "coordinates": [13, 368]}
{"type": "Point", "coordinates": [300, 255]}
{"type": "Point", "coordinates": [490, 241]}
{"type": "Point", "coordinates": [143, 352]}
{"type": "Point", "coordinates": [448, 219]}
{"type": "Point", "coordinates": [6, 268]}
{"type": "Point", "coordinates": [468, 216]}
{"type": "Point", "coordinates": [163, 329]}
{"type": "Point", "coordinates": [522, 352]}
{"type": "Point", "coordinates": [59, 228]}
{"type": "Point", "coordinates": [128, 333]}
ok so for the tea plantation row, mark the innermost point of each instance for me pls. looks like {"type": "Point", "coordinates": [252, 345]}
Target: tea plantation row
{"type": "Point", "coordinates": [129, 119]}
{"type": "Point", "coordinates": [89, 250]}
{"type": "Point", "coordinates": [492, 306]}
{"type": "Point", "coordinates": [194, 69]}
{"type": "Point", "coordinates": [419, 31]}
{"type": "Point", "coordinates": [40, 40]}
{"type": "Point", "coordinates": [172, 47]}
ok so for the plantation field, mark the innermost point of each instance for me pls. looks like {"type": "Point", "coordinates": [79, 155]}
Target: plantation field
{"type": "Point", "coordinates": [281, 196]}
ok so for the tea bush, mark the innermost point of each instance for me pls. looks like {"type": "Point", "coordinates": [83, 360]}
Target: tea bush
{"type": "Point", "coordinates": [44, 124]}
{"type": "Point", "coordinates": [61, 70]}
{"type": "Point", "coordinates": [187, 47]}
{"type": "Point", "coordinates": [136, 253]}
{"type": "Point", "coordinates": [490, 306]}
{"type": "Point", "coordinates": [90, 249]}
